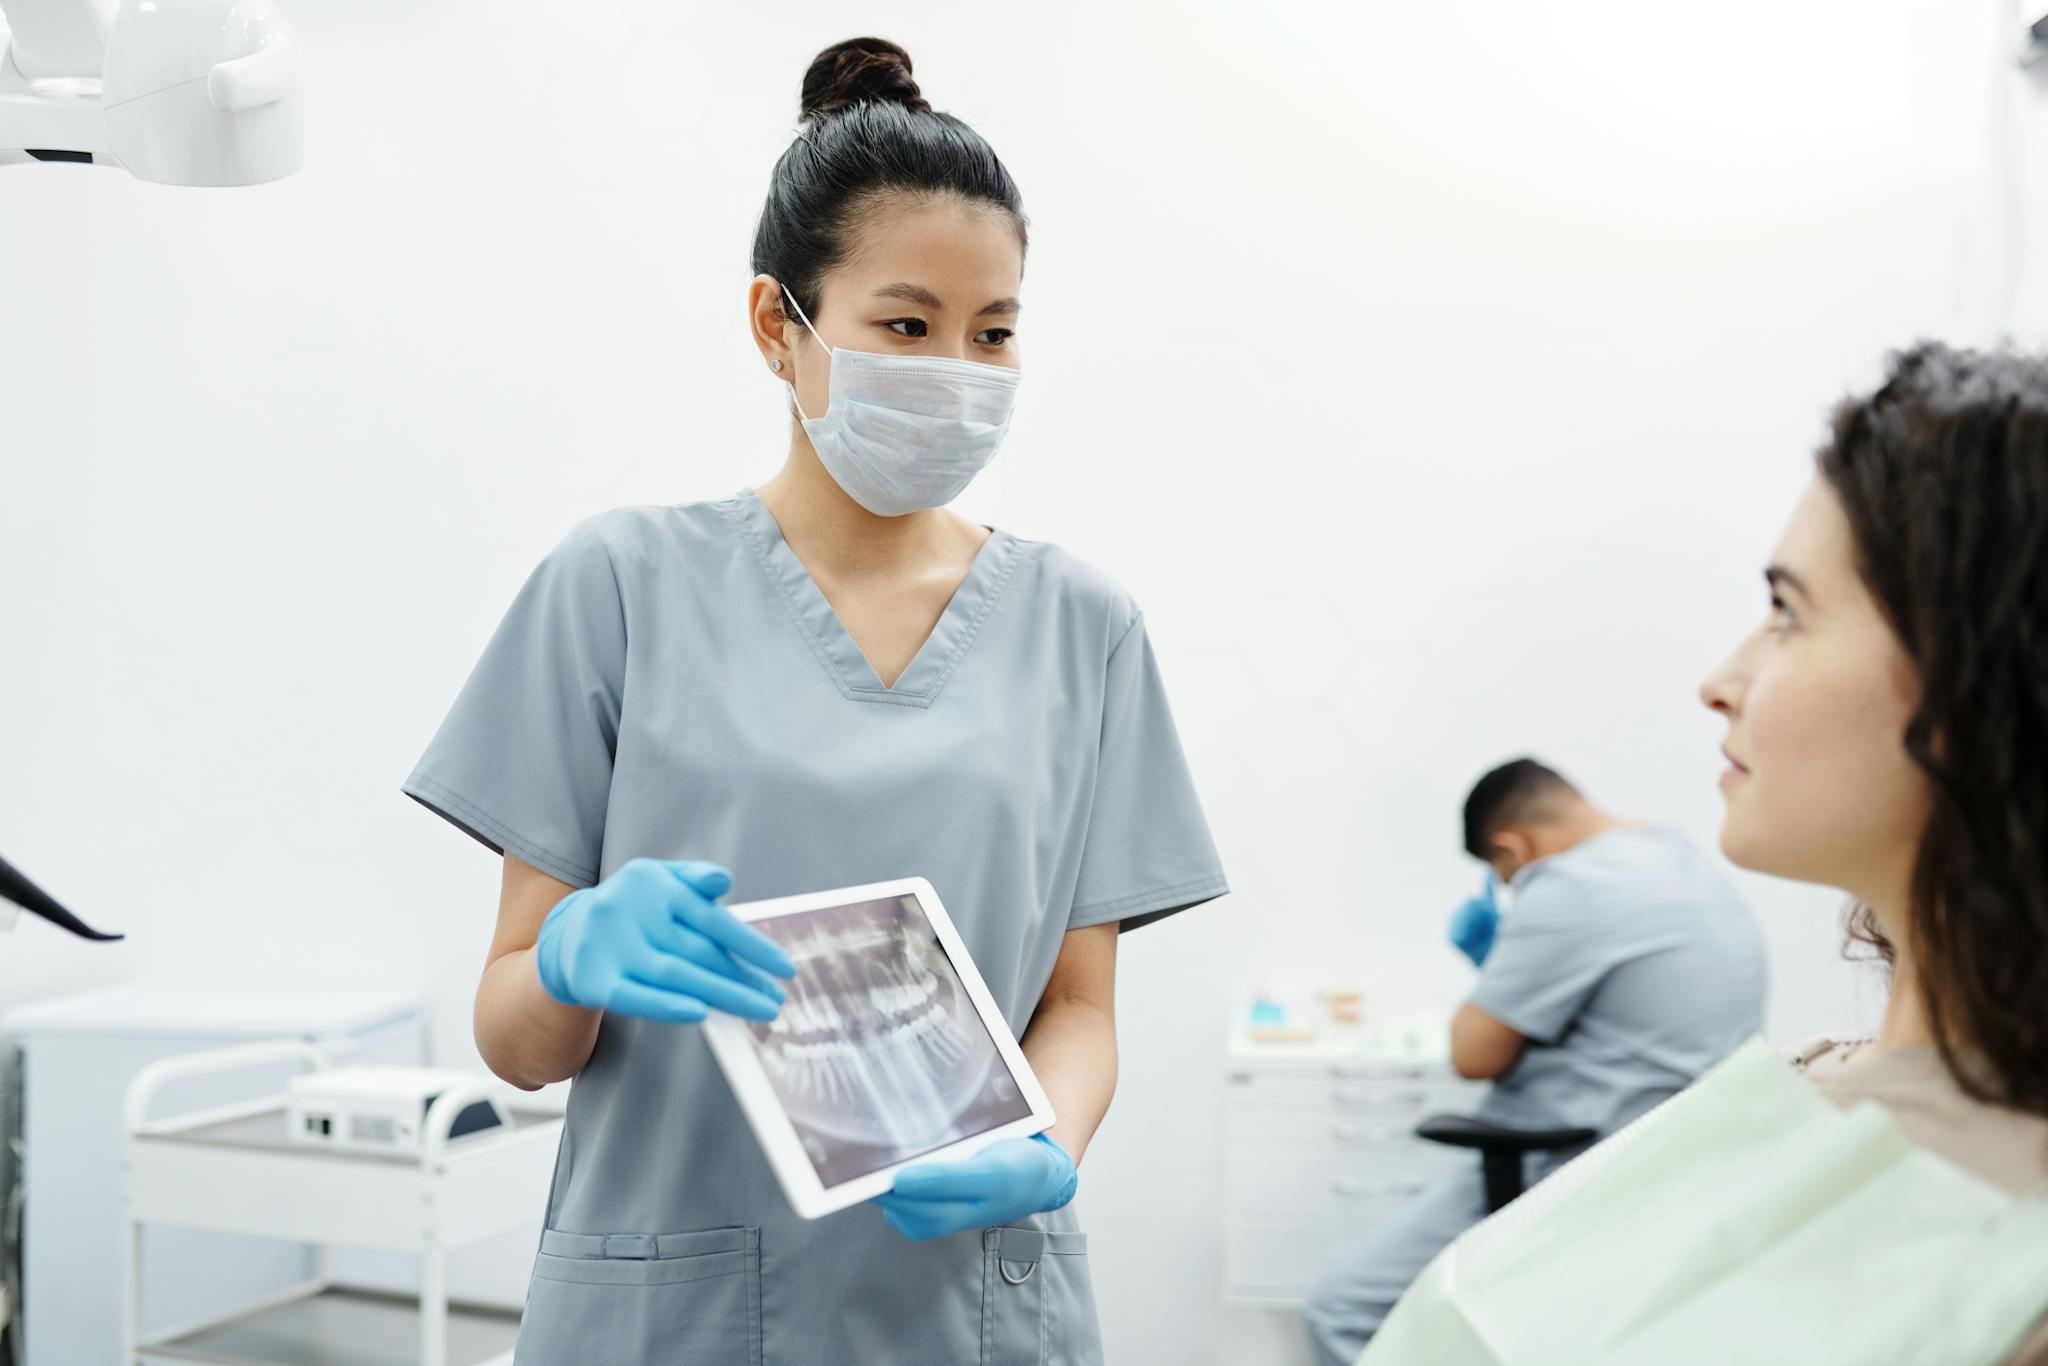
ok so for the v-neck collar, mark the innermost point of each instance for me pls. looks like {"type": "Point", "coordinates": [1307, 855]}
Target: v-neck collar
{"type": "Point", "coordinates": [921, 683]}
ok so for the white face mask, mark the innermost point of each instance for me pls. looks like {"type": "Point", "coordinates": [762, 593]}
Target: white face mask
{"type": "Point", "coordinates": [905, 433]}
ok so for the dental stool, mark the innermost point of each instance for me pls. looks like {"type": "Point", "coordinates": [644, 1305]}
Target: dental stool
{"type": "Point", "coordinates": [1501, 1149]}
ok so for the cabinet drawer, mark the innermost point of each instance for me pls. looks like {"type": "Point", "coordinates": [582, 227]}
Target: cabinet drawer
{"type": "Point", "coordinates": [1431, 1093]}
{"type": "Point", "coordinates": [1267, 1184]}
{"type": "Point", "coordinates": [1339, 1090]}
{"type": "Point", "coordinates": [1324, 1130]}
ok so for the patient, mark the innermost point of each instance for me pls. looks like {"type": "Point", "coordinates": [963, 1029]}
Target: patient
{"type": "Point", "coordinates": [1887, 734]}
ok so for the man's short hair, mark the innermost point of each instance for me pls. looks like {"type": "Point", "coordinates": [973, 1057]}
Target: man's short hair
{"type": "Point", "coordinates": [1513, 794]}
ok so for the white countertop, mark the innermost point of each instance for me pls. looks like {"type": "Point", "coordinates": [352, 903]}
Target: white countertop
{"type": "Point", "coordinates": [292, 1010]}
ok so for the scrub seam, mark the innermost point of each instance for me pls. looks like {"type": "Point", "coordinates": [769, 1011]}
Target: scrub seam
{"type": "Point", "coordinates": [1136, 622]}
{"type": "Point", "coordinates": [619, 596]}
{"type": "Point", "coordinates": [969, 631]}
{"type": "Point", "coordinates": [1519, 1023]}
{"type": "Point", "coordinates": [658, 1270]}
{"type": "Point", "coordinates": [754, 1277]}
{"type": "Point", "coordinates": [989, 1252]}
{"type": "Point", "coordinates": [1139, 902]}
{"type": "Point", "coordinates": [730, 508]}
{"type": "Point", "coordinates": [972, 631]}
{"type": "Point", "coordinates": [1044, 1308]}
{"type": "Point", "coordinates": [508, 839]}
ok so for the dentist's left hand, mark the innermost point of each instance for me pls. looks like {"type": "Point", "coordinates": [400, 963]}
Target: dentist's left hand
{"type": "Point", "coordinates": [1474, 924]}
{"type": "Point", "coordinates": [1009, 1179]}
{"type": "Point", "coordinates": [651, 940]}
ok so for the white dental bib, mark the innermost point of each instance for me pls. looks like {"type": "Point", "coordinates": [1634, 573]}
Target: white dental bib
{"type": "Point", "coordinates": [1745, 1220]}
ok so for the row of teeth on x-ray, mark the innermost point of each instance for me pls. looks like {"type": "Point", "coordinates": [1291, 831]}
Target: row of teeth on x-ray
{"type": "Point", "coordinates": [828, 1070]}
{"type": "Point", "coordinates": [860, 1021]}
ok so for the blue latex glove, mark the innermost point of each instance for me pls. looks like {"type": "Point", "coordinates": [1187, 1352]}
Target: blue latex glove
{"type": "Point", "coordinates": [1473, 925]}
{"type": "Point", "coordinates": [1007, 1180]}
{"type": "Point", "coordinates": [651, 940]}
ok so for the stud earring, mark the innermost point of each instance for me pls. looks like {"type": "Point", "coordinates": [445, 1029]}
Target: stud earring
{"type": "Point", "coordinates": [775, 365]}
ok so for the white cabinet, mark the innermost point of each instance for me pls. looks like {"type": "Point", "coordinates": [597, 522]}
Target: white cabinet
{"type": "Point", "coordinates": [1319, 1146]}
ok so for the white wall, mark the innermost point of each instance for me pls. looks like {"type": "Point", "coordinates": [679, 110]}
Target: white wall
{"type": "Point", "coordinates": [1437, 376]}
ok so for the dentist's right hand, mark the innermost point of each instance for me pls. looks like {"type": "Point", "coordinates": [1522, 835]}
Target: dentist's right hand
{"type": "Point", "coordinates": [651, 940]}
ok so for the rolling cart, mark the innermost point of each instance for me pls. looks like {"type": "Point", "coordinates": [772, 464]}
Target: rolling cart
{"type": "Point", "coordinates": [234, 1169]}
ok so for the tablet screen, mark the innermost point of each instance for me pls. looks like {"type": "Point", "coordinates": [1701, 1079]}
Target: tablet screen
{"type": "Point", "coordinates": [878, 1055]}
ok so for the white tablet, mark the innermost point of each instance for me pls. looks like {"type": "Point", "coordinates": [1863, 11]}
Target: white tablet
{"type": "Point", "coordinates": [889, 1050]}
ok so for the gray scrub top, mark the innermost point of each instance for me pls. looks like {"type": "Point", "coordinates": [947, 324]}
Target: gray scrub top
{"type": "Point", "coordinates": [1631, 965]}
{"type": "Point", "coordinates": [671, 683]}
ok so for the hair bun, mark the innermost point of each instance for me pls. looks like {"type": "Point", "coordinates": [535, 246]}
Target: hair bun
{"type": "Point", "coordinates": [860, 71]}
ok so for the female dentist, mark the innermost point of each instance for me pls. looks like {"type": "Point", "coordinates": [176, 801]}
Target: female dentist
{"type": "Point", "coordinates": [828, 681]}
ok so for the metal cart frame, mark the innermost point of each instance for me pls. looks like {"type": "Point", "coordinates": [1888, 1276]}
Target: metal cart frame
{"type": "Point", "coordinates": [233, 1169]}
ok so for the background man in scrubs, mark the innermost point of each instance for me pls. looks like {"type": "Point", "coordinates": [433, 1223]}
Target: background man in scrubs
{"type": "Point", "coordinates": [1625, 966]}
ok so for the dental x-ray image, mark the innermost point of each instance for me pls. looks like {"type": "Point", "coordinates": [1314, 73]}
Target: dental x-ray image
{"type": "Point", "coordinates": [878, 1055]}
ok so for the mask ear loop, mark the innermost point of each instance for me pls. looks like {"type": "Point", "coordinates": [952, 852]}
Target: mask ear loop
{"type": "Point", "coordinates": [806, 318]}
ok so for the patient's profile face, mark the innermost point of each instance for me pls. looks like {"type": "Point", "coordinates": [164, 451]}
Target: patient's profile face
{"type": "Point", "coordinates": [1820, 787]}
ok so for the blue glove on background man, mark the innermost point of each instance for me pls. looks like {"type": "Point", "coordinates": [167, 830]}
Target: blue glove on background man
{"type": "Point", "coordinates": [1007, 1180]}
{"type": "Point", "coordinates": [651, 940]}
{"type": "Point", "coordinates": [1474, 923]}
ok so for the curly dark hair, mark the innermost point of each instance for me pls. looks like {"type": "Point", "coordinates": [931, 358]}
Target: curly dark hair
{"type": "Point", "coordinates": [1943, 473]}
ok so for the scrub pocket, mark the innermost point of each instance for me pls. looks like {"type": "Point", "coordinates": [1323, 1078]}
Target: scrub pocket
{"type": "Point", "coordinates": [1037, 1302]}
{"type": "Point", "coordinates": [644, 1299]}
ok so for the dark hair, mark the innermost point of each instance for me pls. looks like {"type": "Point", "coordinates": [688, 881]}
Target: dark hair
{"type": "Point", "coordinates": [867, 132]}
{"type": "Point", "coordinates": [1509, 795]}
{"type": "Point", "coordinates": [1943, 473]}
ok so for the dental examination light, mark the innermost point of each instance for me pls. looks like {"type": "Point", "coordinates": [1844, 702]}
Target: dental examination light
{"type": "Point", "coordinates": [179, 92]}
{"type": "Point", "coordinates": [19, 891]}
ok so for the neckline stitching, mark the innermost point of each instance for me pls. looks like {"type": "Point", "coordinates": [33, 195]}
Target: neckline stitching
{"type": "Point", "coordinates": [971, 631]}
{"type": "Point", "coordinates": [967, 633]}
{"type": "Point", "coordinates": [736, 513]}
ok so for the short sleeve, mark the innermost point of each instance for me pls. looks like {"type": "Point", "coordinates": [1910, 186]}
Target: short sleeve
{"type": "Point", "coordinates": [1147, 851]}
{"type": "Point", "coordinates": [523, 761]}
{"type": "Point", "coordinates": [1550, 953]}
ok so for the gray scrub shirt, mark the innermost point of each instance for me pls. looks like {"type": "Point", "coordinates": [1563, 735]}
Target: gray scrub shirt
{"type": "Point", "coordinates": [671, 683]}
{"type": "Point", "coordinates": [1631, 965]}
